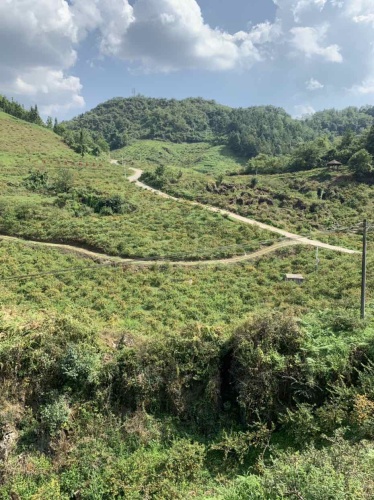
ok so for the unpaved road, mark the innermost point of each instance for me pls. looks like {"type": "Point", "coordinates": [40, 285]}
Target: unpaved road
{"type": "Point", "coordinates": [110, 260]}
{"type": "Point", "coordinates": [294, 237]}
{"type": "Point", "coordinates": [102, 258]}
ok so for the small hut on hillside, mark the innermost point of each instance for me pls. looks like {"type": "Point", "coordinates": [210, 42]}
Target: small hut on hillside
{"type": "Point", "coordinates": [334, 164]}
{"type": "Point", "coordinates": [296, 278]}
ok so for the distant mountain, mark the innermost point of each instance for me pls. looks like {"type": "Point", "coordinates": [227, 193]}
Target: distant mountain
{"type": "Point", "coordinates": [248, 131]}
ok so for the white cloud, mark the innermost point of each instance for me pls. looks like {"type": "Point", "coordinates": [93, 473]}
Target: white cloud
{"type": "Point", "coordinates": [65, 91]}
{"type": "Point", "coordinates": [302, 110]}
{"type": "Point", "coordinates": [308, 41]}
{"type": "Point", "coordinates": [301, 5]}
{"type": "Point", "coordinates": [40, 38]}
{"type": "Point", "coordinates": [365, 88]}
{"type": "Point", "coordinates": [43, 37]}
{"type": "Point", "coordinates": [167, 35]}
{"type": "Point", "coordinates": [313, 84]}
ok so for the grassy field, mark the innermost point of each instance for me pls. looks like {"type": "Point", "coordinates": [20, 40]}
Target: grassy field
{"type": "Point", "coordinates": [85, 356]}
{"type": "Point", "coordinates": [165, 382]}
{"type": "Point", "coordinates": [74, 203]}
{"type": "Point", "coordinates": [164, 298]}
{"type": "Point", "coordinates": [307, 202]}
{"type": "Point", "coordinates": [202, 157]}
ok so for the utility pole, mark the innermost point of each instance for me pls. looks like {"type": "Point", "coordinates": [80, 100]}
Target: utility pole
{"type": "Point", "coordinates": [363, 280]}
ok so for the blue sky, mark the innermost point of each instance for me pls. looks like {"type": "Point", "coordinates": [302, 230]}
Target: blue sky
{"type": "Point", "coordinates": [303, 55]}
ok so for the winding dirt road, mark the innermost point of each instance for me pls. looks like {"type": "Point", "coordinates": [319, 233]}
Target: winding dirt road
{"type": "Point", "coordinates": [110, 260]}
{"type": "Point", "coordinates": [101, 258]}
{"type": "Point", "coordinates": [294, 237]}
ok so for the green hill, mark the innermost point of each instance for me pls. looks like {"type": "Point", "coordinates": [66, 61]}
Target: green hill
{"type": "Point", "coordinates": [168, 382]}
{"type": "Point", "coordinates": [202, 156]}
{"type": "Point", "coordinates": [50, 194]}
{"type": "Point", "coordinates": [21, 141]}
{"type": "Point", "coordinates": [247, 131]}
{"type": "Point", "coordinates": [252, 130]}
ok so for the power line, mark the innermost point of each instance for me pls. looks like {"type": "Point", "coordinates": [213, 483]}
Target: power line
{"type": "Point", "coordinates": [112, 264]}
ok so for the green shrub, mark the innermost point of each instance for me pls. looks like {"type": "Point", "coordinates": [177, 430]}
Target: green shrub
{"type": "Point", "coordinates": [266, 359]}
{"type": "Point", "coordinates": [55, 415]}
{"type": "Point", "coordinates": [339, 472]}
{"type": "Point", "coordinates": [80, 366]}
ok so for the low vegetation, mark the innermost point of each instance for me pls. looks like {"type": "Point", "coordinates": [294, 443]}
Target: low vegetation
{"type": "Point", "coordinates": [167, 382]}
{"type": "Point", "coordinates": [307, 201]}
{"type": "Point", "coordinates": [161, 387]}
{"type": "Point", "coordinates": [61, 198]}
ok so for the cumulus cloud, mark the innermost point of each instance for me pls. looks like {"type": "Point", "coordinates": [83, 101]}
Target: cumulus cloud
{"type": "Point", "coordinates": [337, 33]}
{"type": "Point", "coordinates": [302, 110]}
{"type": "Point", "coordinates": [167, 35]}
{"type": "Point", "coordinates": [313, 84]}
{"type": "Point", "coordinates": [309, 41]}
{"type": "Point", "coordinates": [366, 87]}
{"type": "Point", "coordinates": [302, 5]}
{"type": "Point", "coordinates": [39, 37]}
{"type": "Point", "coordinates": [362, 11]}
{"type": "Point", "coordinates": [43, 38]}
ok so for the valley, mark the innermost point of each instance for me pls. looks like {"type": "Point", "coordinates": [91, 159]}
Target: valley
{"type": "Point", "coordinates": [150, 345]}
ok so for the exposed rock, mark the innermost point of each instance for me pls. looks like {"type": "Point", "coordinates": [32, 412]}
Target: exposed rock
{"type": "Point", "coordinates": [7, 442]}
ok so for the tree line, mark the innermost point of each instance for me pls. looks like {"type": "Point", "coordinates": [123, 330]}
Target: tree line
{"type": "Point", "coordinates": [81, 140]}
{"type": "Point", "coordinates": [356, 150]}
{"type": "Point", "coordinates": [247, 131]}
{"type": "Point", "coordinates": [15, 109]}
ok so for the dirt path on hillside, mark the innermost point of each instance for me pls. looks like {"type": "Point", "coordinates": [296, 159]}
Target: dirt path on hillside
{"type": "Point", "coordinates": [294, 237]}
{"type": "Point", "coordinates": [122, 262]}
{"type": "Point", "coordinates": [102, 258]}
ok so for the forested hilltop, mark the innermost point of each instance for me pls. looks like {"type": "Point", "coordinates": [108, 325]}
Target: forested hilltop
{"type": "Point", "coordinates": [248, 131]}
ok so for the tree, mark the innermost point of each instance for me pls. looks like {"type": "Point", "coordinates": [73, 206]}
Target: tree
{"type": "Point", "coordinates": [49, 123]}
{"type": "Point", "coordinates": [361, 163]}
{"type": "Point", "coordinates": [82, 142]}
{"type": "Point", "coordinates": [55, 126]}
{"type": "Point", "coordinates": [307, 156]}
{"type": "Point", "coordinates": [34, 115]}
{"type": "Point", "coordinates": [370, 141]}
{"type": "Point", "coordinates": [64, 180]}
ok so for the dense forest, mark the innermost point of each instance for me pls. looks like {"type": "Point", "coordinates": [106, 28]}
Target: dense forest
{"type": "Point", "coordinates": [247, 131]}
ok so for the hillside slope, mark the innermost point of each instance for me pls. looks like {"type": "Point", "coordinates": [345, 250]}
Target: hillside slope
{"type": "Point", "coordinates": [21, 140]}
{"type": "Point", "coordinates": [168, 382]}
{"type": "Point", "coordinates": [305, 201]}
{"type": "Point", "coordinates": [50, 194]}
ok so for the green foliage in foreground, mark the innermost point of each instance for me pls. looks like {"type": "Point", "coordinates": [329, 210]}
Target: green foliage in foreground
{"type": "Point", "coordinates": [151, 383]}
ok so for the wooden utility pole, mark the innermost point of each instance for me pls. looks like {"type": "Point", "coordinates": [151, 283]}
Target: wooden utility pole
{"type": "Point", "coordinates": [363, 279]}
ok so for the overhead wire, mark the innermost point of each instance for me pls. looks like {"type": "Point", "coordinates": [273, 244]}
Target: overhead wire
{"type": "Point", "coordinates": [124, 263]}
{"type": "Point", "coordinates": [164, 259]}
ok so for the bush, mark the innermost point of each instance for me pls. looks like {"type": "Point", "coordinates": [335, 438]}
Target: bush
{"type": "Point", "coordinates": [80, 367]}
{"type": "Point", "coordinates": [339, 472]}
{"type": "Point", "coordinates": [64, 180]}
{"type": "Point", "coordinates": [178, 373]}
{"type": "Point", "coordinates": [266, 358]}
{"type": "Point", "coordinates": [36, 180]}
{"type": "Point", "coordinates": [55, 415]}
